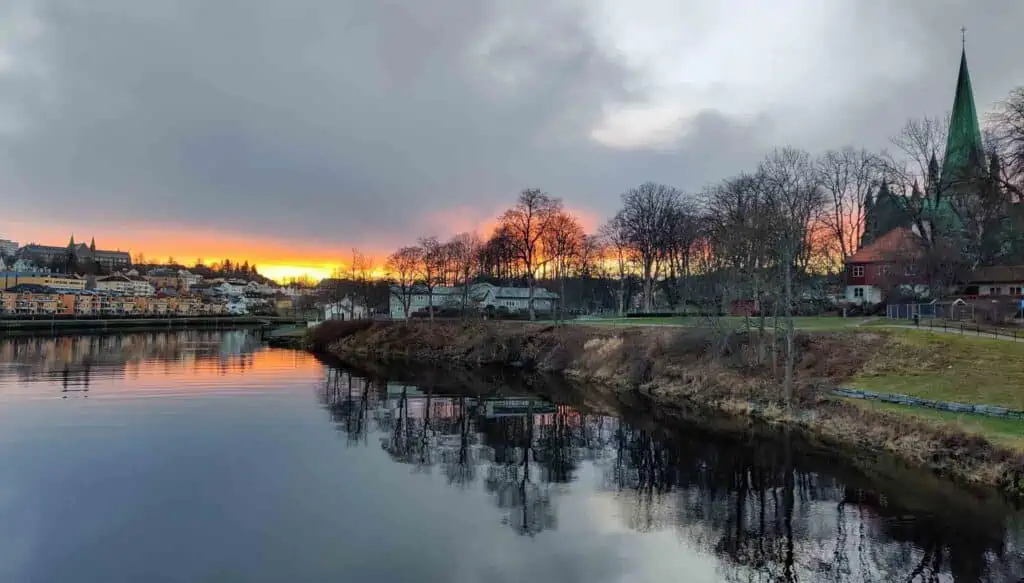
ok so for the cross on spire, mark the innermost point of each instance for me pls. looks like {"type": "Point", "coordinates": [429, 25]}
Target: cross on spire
{"type": "Point", "coordinates": [963, 37]}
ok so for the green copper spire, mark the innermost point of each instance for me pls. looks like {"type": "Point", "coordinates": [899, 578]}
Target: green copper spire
{"type": "Point", "coordinates": [963, 144]}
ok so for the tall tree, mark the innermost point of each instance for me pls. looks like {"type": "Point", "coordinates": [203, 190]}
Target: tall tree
{"type": "Point", "coordinates": [525, 225]}
{"type": "Point", "coordinates": [647, 213]}
{"type": "Point", "coordinates": [615, 236]}
{"type": "Point", "coordinates": [403, 268]}
{"type": "Point", "coordinates": [431, 268]}
{"type": "Point", "coordinates": [793, 187]}
{"type": "Point", "coordinates": [1007, 123]}
{"type": "Point", "coordinates": [463, 251]}
{"type": "Point", "coordinates": [563, 245]}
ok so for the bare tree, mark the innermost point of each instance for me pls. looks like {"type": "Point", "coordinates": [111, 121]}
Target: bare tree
{"type": "Point", "coordinates": [793, 188]}
{"type": "Point", "coordinates": [847, 176]}
{"type": "Point", "coordinates": [647, 216]}
{"type": "Point", "coordinates": [615, 236]}
{"type": "Point", "coordinates": [525, 225]}
{"type": "Point", "coordinates": [563, 245]}
{"type": "Point", "coordinates": [683, 233]}
{"type": "Point", "coordinates": [361, 270]}
{"type": "Point", "coordinates": [1007, 123]}
{"type": "Point", "coordinates": [463, 253]}
{"type": "Point", "coordinates": [403, 268]}
{"type": "Point", "coordinates": [914, 170]}
{"type": "Point", "coordinates": [431, 268]}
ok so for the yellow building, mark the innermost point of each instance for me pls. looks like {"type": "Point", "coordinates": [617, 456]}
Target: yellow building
{"type": "Point", "coordinates": [9, 279]}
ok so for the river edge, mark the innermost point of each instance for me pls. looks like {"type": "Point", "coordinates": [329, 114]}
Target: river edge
{"type": "Point", "coordinates": [683, 372]}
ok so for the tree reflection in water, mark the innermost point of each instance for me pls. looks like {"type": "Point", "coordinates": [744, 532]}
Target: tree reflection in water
{"type": "Point", "coordinates": [767, 507]}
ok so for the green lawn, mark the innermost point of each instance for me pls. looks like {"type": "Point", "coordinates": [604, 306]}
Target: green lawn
{"type": "Point", "coordinates": [1008, 432]}
{"type": "Point", "coordinates": [948, 367]}
{"type": "Point", "coordinates": [801, 322]}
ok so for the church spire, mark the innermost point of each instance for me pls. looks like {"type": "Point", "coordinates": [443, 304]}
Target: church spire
{"type": "Point", "coordinates": [71, 242]}
{"type": "Point", "coordinates": [963, 144]}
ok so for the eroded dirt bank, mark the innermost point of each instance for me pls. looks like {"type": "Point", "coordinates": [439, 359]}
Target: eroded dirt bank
{"type": "Point", "coordinates": [677, 368]}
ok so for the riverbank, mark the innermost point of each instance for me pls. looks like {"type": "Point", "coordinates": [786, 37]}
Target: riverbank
{"type": "Point", "coordinates": [718, 370]}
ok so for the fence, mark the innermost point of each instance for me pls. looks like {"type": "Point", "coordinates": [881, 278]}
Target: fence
{"type": "Point", "coordinates": [952, 317]}
{"type": "Point", "coordinates": [955, 311]}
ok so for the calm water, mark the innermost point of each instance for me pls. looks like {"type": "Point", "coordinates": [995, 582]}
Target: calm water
{"type": "Point", "coordinates": [203, 456]}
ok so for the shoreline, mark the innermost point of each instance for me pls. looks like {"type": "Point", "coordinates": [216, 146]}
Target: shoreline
{"type": "Point", "coordinates": [678, 369]}
{"type": "Point", "coordinates": [57, 326]}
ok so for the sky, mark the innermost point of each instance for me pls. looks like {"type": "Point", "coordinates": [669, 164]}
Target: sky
{"type": "Point", "coordinates": [287, 133]}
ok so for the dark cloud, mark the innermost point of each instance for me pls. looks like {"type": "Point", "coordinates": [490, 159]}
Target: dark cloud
{"type": "Point", "coordinates": [353, 120]}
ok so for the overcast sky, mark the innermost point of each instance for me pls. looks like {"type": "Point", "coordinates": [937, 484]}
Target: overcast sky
{"type": "Point", "coordinates": [314, 124]}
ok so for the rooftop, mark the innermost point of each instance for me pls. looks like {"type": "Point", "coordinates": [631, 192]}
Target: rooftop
{"type": "Point", "coordinates": [897, 243]}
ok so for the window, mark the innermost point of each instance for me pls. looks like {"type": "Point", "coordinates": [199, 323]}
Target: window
{"type": "Point", "coordinates": [858, 292]}
{"type": "Point", "coordinates": [857, 271]}
{"type": "Point", "coordinates": [1017, 291]}
{"type": "Point", "coordinates": [993, 291]}
{"type": "Point", "coordinates": [885, 270]}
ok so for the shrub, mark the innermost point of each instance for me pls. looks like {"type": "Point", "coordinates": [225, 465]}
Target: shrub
{"type": "Point", "coordinates": [334, 330]}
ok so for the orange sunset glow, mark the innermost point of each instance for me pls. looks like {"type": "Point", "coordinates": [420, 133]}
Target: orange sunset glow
{"type": "Point", "coordinates": [277, 258]}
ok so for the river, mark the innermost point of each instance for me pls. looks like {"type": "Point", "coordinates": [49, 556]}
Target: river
{"type": "Point", "coordinates": [204, 456]}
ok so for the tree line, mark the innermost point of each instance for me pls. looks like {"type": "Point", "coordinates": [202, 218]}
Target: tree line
{"type": "Point", "coordinates": [762, 235]}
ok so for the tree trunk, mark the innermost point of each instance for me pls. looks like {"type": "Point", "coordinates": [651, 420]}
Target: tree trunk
{"type": "Point", "coordinates": [430, 303]}
{"type": "Point", "coordinates": [561, 301]}
{"type": "Point", "coordinates": [788, 309]}
{"type": "Point", "coordinates": [529, 301]}
{"type": "Point", "coordinates": [622, 296]}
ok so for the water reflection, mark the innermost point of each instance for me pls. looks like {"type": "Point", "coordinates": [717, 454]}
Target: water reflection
{"type": "Point", "coordinates": [74, 366]}
{"type": "Point", "coordinates": [767, 509]}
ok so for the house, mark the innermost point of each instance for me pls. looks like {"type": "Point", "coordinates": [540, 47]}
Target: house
{"type": "Point", "coordinates": [419, 299]}
{"type": "Point", "coordinates": [517, 299]}
{"type": "Point", "coordinates": [891, 261]}
{"type": "Point", "coordinates": [346, 309]}
{"type": "Point", "coordinates": [8, 248]}
{"type": "Point", "coordinates": [121, 284]}
{"type": "Point", "coordinates": [995, 281]}
{"type": "Point", "coordinates": [187, 279]}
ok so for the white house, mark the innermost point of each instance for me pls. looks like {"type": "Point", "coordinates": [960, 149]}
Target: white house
{"type": "Point", "coordinates": [517, 299]}
{"type": "Point", "coordinates": [346, 309]}
{"type": "Point", "coordinates": [121, 284]}
{"type": "Point", "coordinates": [481, 296]}
{"type": "Point", "coordinates": [419, 299]}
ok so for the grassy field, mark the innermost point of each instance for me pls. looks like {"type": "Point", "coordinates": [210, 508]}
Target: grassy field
{"type": "Point", "coordinates": [801, 322]}
{"type": "Point", "coordinates": [1008, 432]}
{"type": "Point", "coordinates": [948, 367]}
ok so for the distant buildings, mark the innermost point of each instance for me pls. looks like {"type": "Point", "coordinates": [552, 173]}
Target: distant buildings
{"type": "Point", "coordinates": [80, 253]}
{"type": "Point", "coordinates": [8, 248]}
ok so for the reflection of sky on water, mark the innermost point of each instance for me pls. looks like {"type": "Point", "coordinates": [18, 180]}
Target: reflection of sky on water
{"type": "Point", "coordinates": [208, 457]}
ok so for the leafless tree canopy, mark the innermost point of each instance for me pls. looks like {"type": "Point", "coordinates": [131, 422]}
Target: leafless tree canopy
{"type": "Point", "coordinates": [403, 268]}
{"type": "Point", "coordinates": [525, 225]}
{"type": "Point", "coordinates": [848, 177]}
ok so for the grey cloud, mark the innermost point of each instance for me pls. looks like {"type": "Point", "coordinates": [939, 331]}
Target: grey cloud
{"type": "Point", "coordinates": [353, 119]}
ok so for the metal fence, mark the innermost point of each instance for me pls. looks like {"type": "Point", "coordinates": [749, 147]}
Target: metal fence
{"type": "Point", "coordinates": [956, 317]}
{"type": "Point", "coordinates": [956, 311]}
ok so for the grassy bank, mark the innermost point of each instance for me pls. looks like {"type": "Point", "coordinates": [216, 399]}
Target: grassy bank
{"type": "Point", "coordinates": [726, 371]}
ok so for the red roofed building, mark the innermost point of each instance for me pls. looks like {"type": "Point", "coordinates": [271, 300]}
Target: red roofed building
{"type": "Point", "coordinates": [890, 261]}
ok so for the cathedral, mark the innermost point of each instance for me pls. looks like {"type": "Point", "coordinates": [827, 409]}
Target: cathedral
{"type": "Point", "coordinates": [959, 220]}
{"type": "Point", "coordinates": [961, 201]}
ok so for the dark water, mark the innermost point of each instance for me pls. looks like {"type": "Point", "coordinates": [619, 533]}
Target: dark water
{"type": "Point", "coordinates": [202, 456]}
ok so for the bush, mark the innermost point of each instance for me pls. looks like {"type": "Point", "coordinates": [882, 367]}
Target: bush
{"type": "Point", "coordinates": [334, 330]}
